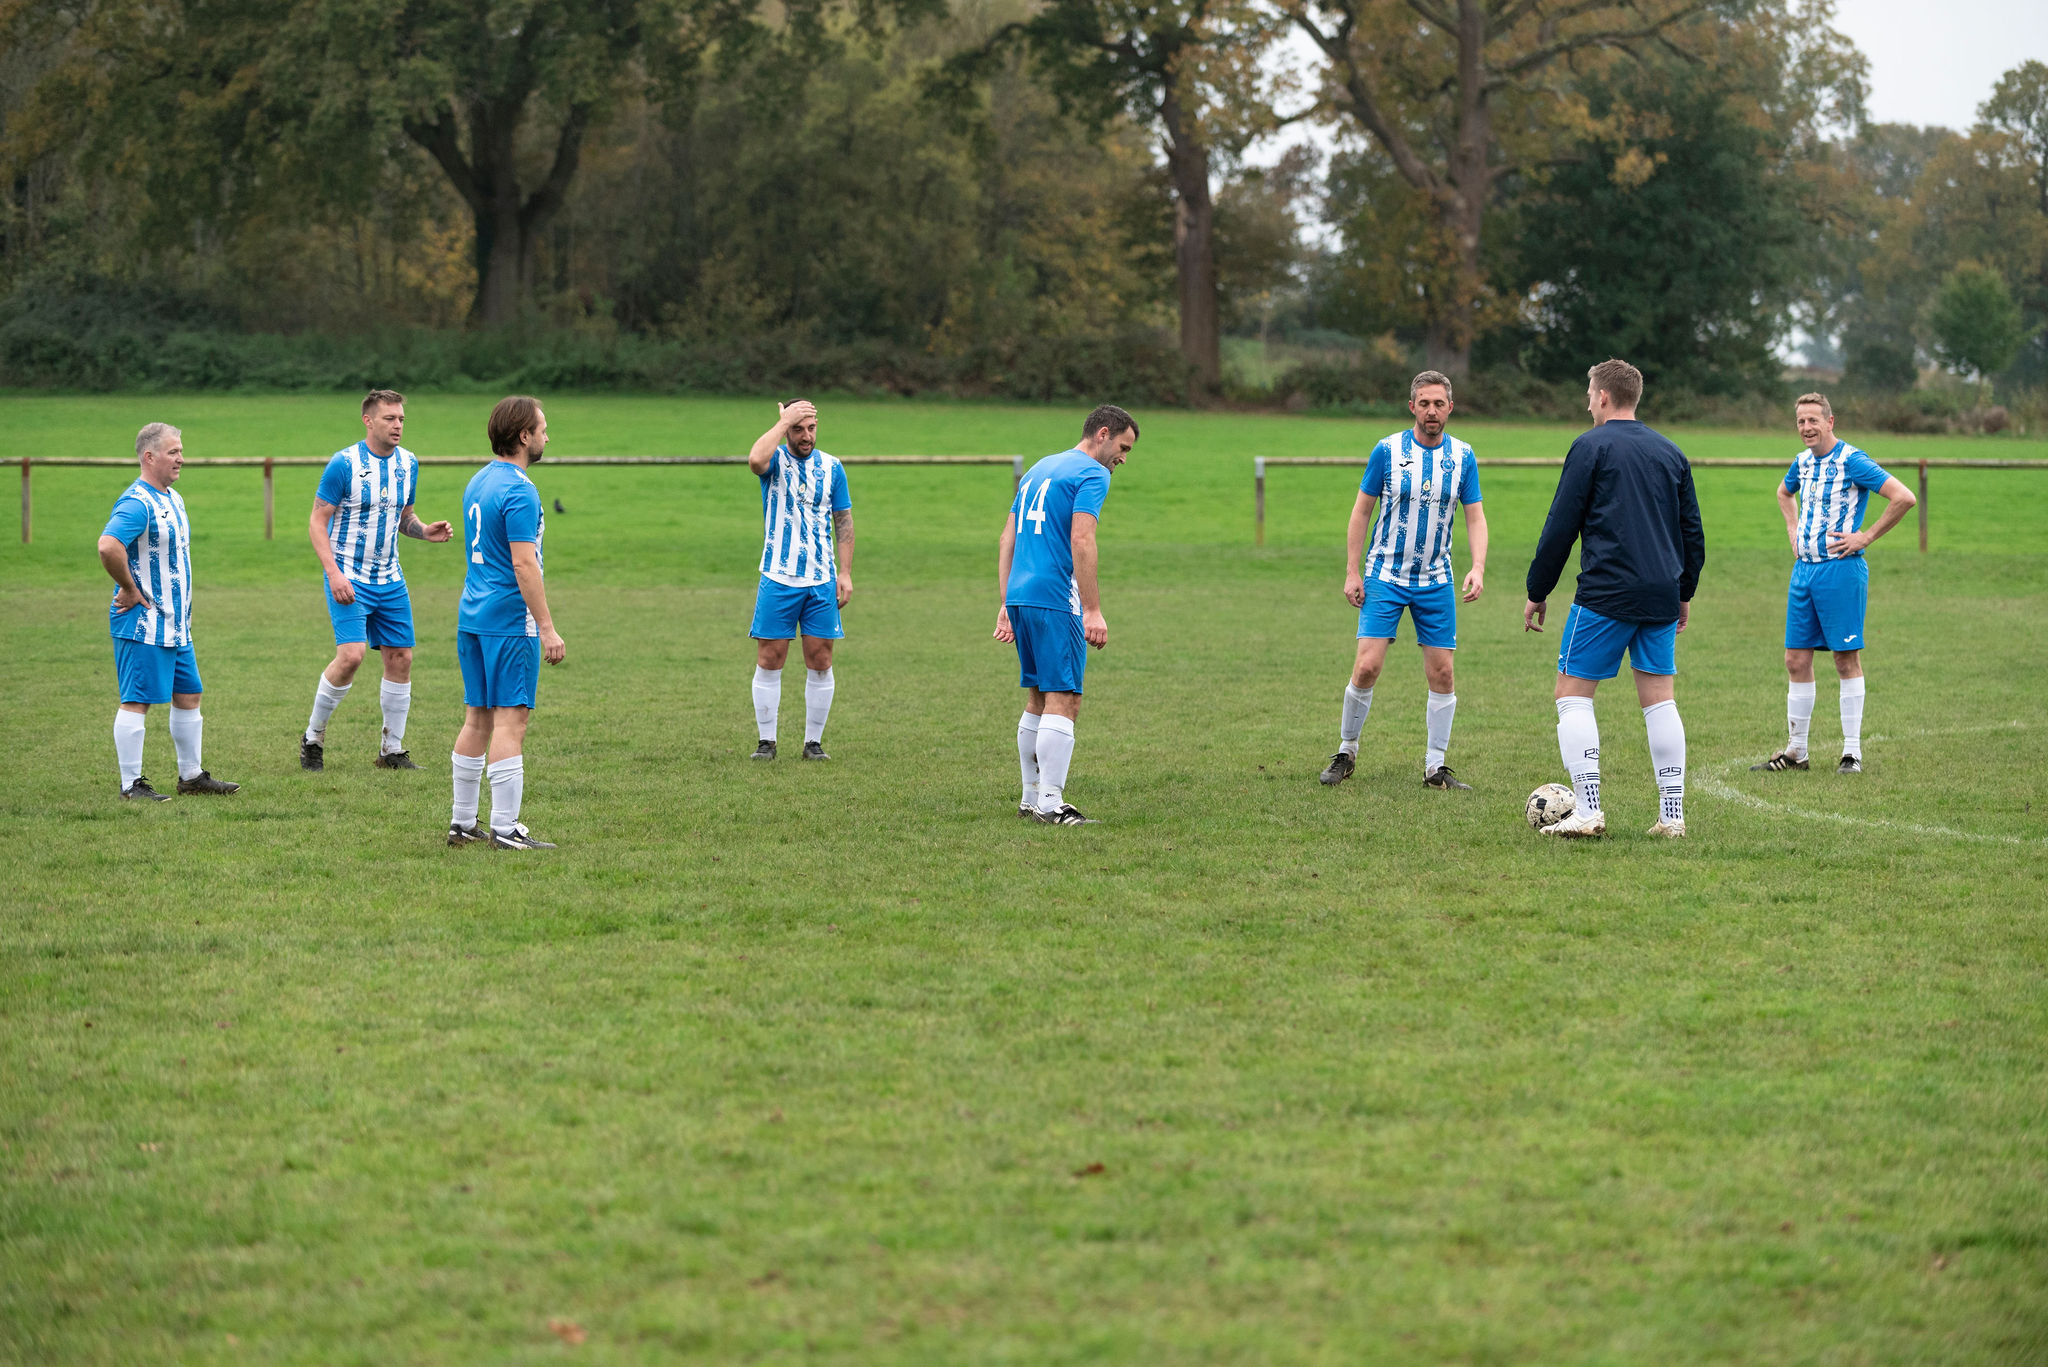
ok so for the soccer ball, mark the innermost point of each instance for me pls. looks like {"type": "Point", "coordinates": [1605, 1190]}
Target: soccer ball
{"type": "Point", "coordinates": [1551, 803]}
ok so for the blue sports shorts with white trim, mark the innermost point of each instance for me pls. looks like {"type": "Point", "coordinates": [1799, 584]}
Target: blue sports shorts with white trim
{"type": "Point", "coordinates": [1052, 651]}
{"type": "Point", "coordinates": [498, 671]}
{"type": "Point", "coordinates": [1824, 607]}
{"type": "Point", "coordinates": [782, 611]}
{"type": "Point", "coordinates": [1592, 646]}
{"type": "Point", "coordinates": [151, 674]}
{"type": "Point", "coordinates": [1432, 607]}
{"type": "Point", "coordinates": [381, 614]}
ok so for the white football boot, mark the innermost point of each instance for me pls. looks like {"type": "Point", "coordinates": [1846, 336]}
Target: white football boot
{"type": "Point", "coordinates": [1670, 830]}
{"type": "Point", "coordinates": [1580, 825]}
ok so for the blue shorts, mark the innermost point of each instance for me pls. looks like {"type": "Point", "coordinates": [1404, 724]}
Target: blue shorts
{"type": "Point", "coordinates": [498, 671]}
{"type": "Point", "coordinates": [151, 674]}
{"type": "Point", "coordinates": [1593, 645]}
{"type": "Point", "coordinates": [380, 616]}
{"type": "Point", "coordinates": [782, 610]}
{"type": "Point", "coordinates": [1434, 608]}
{"type": "Point", "coordinates": [1824, 609]}
{"type": "Point", "coordinates": [1052, 653]}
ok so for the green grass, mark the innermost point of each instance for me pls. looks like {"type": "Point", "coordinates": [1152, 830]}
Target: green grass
{"type": "Point", "coordinates": [814, 1063]}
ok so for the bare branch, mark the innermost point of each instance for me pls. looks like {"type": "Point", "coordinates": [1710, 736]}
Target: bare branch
{"type": "Point", "coordinates": [1430, 12]}
{"type": "Point", "coordinates": [1549, 52]}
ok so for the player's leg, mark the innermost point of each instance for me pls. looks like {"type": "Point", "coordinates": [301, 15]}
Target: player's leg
{"type": "Point", "coordinates": [777, 615]}
{"type": "Point", "coordinates": [1056, 757]}
{"type": "Point", "coordinates": [472, 743]}
{"type": "Point", "coordinates": [1841, 596]}
{"type": "Point", "coordinates": [1027, 750]}
{"type": "Point", "coordinates": [1803, 635]}
{"type": "Point", "coordinates": [390, 631]}
{"type": "Point", "coordinates": [1060, 657]}
{"type": "Point", "coordinates": [821, 627]}
{"type": "Point", "coordinates": [1377, 621]}
{"type": "Point", "coordinates": [1435, 613]}
{"type": "Point", "coordinates": [514, 668]}
{"type": "Point", "coordinates": [138, 670]}
{"type": "Point", "coordinates": [1849, 669]}
{"type": "Point", "coordinates": [1589, 651]}
{"type": "Point", "coordinates": [1654, 655]}
{"type": "Point", "coordinates": [351, 637]}
{"type": "Point", "coordinates": [188, 727]}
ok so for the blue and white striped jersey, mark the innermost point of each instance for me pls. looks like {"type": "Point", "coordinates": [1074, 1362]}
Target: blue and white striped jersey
{"type": "Point", "coordinates": [798, 499]}
{"type": "Point", "coordinates": [1418, 487]}
{"type": "Point", "coordinates": [368, 492]}
{"type": "Point", "coordinates": [1833, 489]}
{"type": "Point", "coordinates": [151, 523]}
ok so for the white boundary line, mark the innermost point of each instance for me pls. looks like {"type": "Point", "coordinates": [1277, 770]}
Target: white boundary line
{"type": "Point", "coordinates": [1714, 784]}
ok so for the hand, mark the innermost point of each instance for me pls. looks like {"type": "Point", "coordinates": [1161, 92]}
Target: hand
{"type": "Point", "coordinates": [1844, 544]}
{"type": "Point", "coordinates": [437, 531]}
{"type": "Point", "coordinates": [845, 587]}
{"type": "Point", "coordinates": [1684, 615]}
{"type": "Point", "coordinates": [553, 648]}
{"type": "Point", "coordinates": [791, 414]}
{"type": "Point", "coordinates": [1095, 628]}
{"type": "Point", "coordinates": [338, 585]}
{"type": "Point", "coordinates": [1003, 632]}
{"type": "Point", "coordinates": [1532, 615]}
{"type": "Point", "coordinates": [126, 598]}
{"type": "Point", "coordinates": [1354, 588]}
{"type": "Point", "coordinates": [1475, 584]}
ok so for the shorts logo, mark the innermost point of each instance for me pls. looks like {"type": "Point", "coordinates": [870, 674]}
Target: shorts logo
{"type": "Point", "coordinates": [1850, 637]}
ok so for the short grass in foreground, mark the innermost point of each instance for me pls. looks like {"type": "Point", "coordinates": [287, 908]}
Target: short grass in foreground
{"type": "Point", "coordinates": [842, 1063]}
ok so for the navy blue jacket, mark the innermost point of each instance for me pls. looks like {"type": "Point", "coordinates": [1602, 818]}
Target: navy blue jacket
{"type": "Point", "coordinates": [1626, 496]}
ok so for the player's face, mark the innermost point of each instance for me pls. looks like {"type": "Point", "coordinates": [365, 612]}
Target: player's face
{"type": "Point", "coordinates": [535, 442]}
{"type": "Point", "coordinates": [1119, 446]}
{"type": "Point", "coordinates": [1431, 406]}
{"type": "Point", "coordinates": [385, 423]}
{"type": "Point", "coordinates": [1816, 428]}
{"type": "Point", "coordinates": [161, 467]}
{"type": "Point", "coordinates": [803, 438]}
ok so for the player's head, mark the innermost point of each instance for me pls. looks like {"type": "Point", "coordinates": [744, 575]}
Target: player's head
{"type": "Point", "coordinates": [1815, 418]}
{"type": "Point", "coordinates": [160, 451]}
{"type": "Point", "coordinates": [803, 434]}
{"type": "Point", "coordinates": [384, 416]}
{"type": "Point", "coordinates": [1613, 389]}
{"type": "Point", "coordinates": [1108, 434]}
{"type": "Point", "coordinates": [1429, 399]}
{"type": "Point", "coordinates": [517, 427]}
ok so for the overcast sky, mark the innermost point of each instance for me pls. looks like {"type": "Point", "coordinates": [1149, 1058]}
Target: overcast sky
{"type": "Point", "coordinates": [1937, 63]}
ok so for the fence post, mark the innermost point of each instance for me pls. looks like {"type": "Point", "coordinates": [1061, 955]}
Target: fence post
{"type": "Point", "coordinates": [269, 498]}
{"type": "Point", "coordinates": [27, 508]}
{"type": "Point", "coordinates": [1923, 505]}
{"type": "Point", "coordinates": [1016, 473]}
{"type": "Point", "coordinates": [1258, 500]}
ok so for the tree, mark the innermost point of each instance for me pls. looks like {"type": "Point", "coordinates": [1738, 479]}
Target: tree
{"type": "Point", "coordinates": [1976, 325]}
{"type": "Point", "coordinates": [2018, 107]}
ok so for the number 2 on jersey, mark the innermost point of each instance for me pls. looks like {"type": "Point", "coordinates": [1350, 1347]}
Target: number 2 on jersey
{"type": "Point", "coordinates": [1036, 515]}
{"type": "Point", "coordinates": [476, 540]}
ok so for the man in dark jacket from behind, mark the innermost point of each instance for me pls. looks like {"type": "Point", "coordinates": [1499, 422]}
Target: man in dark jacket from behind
{"type": "Point", "coordinates": [1626, 496]}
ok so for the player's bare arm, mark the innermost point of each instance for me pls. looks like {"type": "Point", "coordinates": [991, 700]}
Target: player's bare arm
{"type": "Point", "coordinates": [1006, 552]}
{"type": "Point", "coordinates": [1899, 500]}
{"type": "Point", "coordinates": [787, 415]}
{"type": "Point", "coordinates": [316, 532]}
{"type": "Point", "coordinates": [1354, 548]}
{"type": "Point", "coordinates": [526, 569]}
{"type": "Point", "coordinates": [114, 559]}
{"type": "Point", "coordinates": [842, 548]}
{"type": "Point", "coordinates": [1788, 506]}
{"type": "Point", "coordinates": [1082, 539]}
{"type": "Point", "coordinates": [409, 524]}
{"type": "Point", "coordinates": [1475, 537]}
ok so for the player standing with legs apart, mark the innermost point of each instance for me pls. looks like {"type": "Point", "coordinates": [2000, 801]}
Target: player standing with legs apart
{"type": "Point", "coordinates": [806, 570]}
{"type": "Point", "coordinates": [146, 548]}
{"type": "Point", "coordinates": [1626, 496]}
{"type": "Point", "coordinates": [1052, 601]}
{"type": "Point", "coordinates": [1416, 477]}
{"type": "Point", "coordinates": [1830, 578]}
{"type": "Point", "coordinates": [503, 629]}
{"type": "Point", "coordinates": [364, 504]}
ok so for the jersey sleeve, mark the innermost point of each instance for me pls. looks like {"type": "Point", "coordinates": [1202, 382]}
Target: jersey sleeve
{"type": "Point", "coordinates": [1093, 491]}
{"type": "Point", "coordinates": [774, 464]}
{"type": "Point", "coordinates": [1792, 478]}
{"type": "Point", "coordinates": [334, 481]}
{"type": "Point", "coordinates": [1468, 479]}
{"type": "Point", "coordinates": [412, 483]}
{"type": "Point", "coordinates": [1865, 473]}
{"type": "Point", "coordinates": [1376, 467]}
{"type": "Point", "coordinates": [127, 520]}
{"type": "Point", "coordinates": [841, 499]}
{"type": "Point", "coordinates": [522, 514]}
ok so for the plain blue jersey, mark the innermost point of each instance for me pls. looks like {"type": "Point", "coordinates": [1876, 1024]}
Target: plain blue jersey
{"type": "Point", "coordinates": [499, 507]}
{"type": "Point", "coordinates": [150, 523]}
{"type": "Point", "coordinates": [1042, 570]}
{"type": "Point", "coordinates": [1417, 487]}
{"type": "Point", "coordinates": [368, 492]}
{"type": "Point", "coordinates": [1833, 488]}
{"type": "Point", "coordinates": [798, 499]}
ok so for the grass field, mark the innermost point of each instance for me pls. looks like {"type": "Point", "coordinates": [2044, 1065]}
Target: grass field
{"type": "Point", "coordinates": [840, 1063]}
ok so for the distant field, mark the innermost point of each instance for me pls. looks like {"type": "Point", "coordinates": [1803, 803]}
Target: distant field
{"type": "Point", "coordinates": [817, 1063]}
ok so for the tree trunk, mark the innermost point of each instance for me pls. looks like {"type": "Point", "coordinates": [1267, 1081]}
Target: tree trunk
{"type": "Point", "coordinates": [504, 260]}
{"type": "Point", "coordinates": [1194, 248]}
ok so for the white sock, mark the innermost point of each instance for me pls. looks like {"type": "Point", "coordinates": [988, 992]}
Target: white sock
{"type": "Point", "coordinates": [1852, 717]}
{"type": "Point", "coordinates": [1055, 753]}
{"type": "Point", "coordinates": [1357, 706]}
{"type": "Point", "coordinates": [128, 729]}
{"type": "Point", "coordinates": [1798, 716]}
{"type": "Point", "coordinates": [1441, 709]}
{"type": "Point", "coordinates": [1027, 757]}
{"type": "Point", "coordinates": [819, 686]}
{"type": "Point", "coordinates": [767, 700]}
{"type": "Point", "coordinates": [508, 786]}
{"type": "Point", "coordinates": [1667, 757]}
{"type": "Point", "coordinates": [185, 728]}
{"type": "Point", "coordinates": [397, 701]}
{"type": "Point", "coordinates": [469, 779]}
{"type": "Point", "coordinates": [326, 698]}
{"type": "Point", "coordinates": [1578, 743]}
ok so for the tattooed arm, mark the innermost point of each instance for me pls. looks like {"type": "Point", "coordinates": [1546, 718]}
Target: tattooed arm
{"type": "Point", "coordinates": [409, 524]}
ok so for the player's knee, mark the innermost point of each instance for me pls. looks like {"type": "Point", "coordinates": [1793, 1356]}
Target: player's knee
{"type": "Point", "coordinates": [348, 657]}
{"type": "Point", "coordinates": [398, 663]}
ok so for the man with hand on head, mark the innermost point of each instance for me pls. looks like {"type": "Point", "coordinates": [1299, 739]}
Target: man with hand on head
{"type": "Point", "coordinates": [146, 548]}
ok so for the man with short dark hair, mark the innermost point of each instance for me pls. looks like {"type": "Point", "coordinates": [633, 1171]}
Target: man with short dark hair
{"type": "Point", "coordinates": [363, 505]}
{"type": "Point", "coordinates": [503, 629]}
{"type": "Point", "coordinates": [1626, 496]}
{"type": "Point", "coordinates": [1052, 601]}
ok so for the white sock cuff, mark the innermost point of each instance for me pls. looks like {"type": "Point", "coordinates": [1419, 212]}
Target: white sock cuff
{"type": "Point", "coordinates": [1357, 694]}
{"type": "Point", "coordinates": [1441, 698]}
{"type": "Point", "coordinates": [767, 676]}
{"type": "Point", "coordinates": [1028, 722]}
{"type": "Point", "coordinates": [818, 676]}
{"type": "Point", "coordinates": [1801, 690]}
{"type": "Point", "coordinates": [388, 689]}
{"type": "Point", "coordinates": [1573, 704]}
{"type": "Point", "coordinates": [1049, 722]}
{"type": "Point", "coordinates": [503, 767]}
{"type": "Point", "coordinates": [124, 720]}
{"type": "Point", "coordinates": [335, 690]}
{"type": "Point", "coordinates": [472, 764]}
{"type": "Point", "coordinates": [1671, 703]}
{"type": "Point", "coordinates": [1853, 688]}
